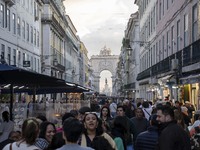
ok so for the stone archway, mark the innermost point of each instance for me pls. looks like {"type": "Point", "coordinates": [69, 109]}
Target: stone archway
{"type": "Point", "coordinates": [104, 61]}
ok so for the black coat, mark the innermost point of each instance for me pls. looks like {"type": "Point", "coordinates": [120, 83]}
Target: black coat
{"type": "Point", "coordinates": [173, 137]}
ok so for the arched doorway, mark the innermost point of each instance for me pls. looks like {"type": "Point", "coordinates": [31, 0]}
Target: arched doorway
{"type": "Point", "coordinates": [106, 83]}
{"type": "Point", "coordinates": [104, 61]}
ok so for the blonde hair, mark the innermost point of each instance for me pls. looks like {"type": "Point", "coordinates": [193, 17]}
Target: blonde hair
{"type": "Point", "coordinates": [30, 130]}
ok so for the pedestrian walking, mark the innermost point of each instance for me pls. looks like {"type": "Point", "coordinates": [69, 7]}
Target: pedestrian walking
{"type": "Point", "coordinates": [130, 127]}
{"type": "Point", "coordinates": [173, 136]}
{"type": "Point", "coordinates": [113, 108]}
{"type": "Point", "coordinates": [190, 108]}
{"type": "Point", "coordinates": [47, 131]}
{"type": "Point", "coordinates": [120, 132]}
{"type": "Point", "coordinates": [72, 129]}
{"type": "Point", "coordinates": [106, 118]}
{"type": "Point", "coordinates": [30, 131]}
{"type": "Point", "coordinates": [100, 143]}
{"type": "Point", "coordinates": [82, 111]}
{"type": "Point", "coordinates": [6, 126]}
{"type": "Point", "coordinates": [141, 123]}
{"type": "Point", "coordinates": [56, 142]}
{"type": "Point", "coordinates": [93, 128]}
{"type": "Point", "coordinates": [147, 140]}
{"type": "Point", "coordinates": [147, 109]}
{"type": "Point", "coordinates": [13, 137]}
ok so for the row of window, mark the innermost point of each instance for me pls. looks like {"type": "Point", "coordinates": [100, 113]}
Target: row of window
{"type": "Point", "coordinates": [161, 7]}
{"type": "Point", "coordinates": [19, 27]}
{"type": "Point", "coordinates": [171, 41]}
{"type": "Point", "coordinates": [27, 4]}
{"type": "Point", "coordinates": [16, 57]}
{"type": "Point", "coordinates": [154, 16]}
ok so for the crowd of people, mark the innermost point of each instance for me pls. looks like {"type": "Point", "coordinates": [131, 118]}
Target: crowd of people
{"type": "Point", "coordinates": [123, 126]}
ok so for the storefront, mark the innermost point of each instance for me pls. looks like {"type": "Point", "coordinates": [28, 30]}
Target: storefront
{"type": "Point", "coordinates": [190, 90]}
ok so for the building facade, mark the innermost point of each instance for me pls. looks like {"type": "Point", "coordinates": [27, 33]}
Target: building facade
{"type": "Point", "coordinates": [73, 57]}
{"type": "Point", "coordinates": [169, 64]}
{"type": "Point", "coordinates": [130, 58]}
{"type": "Point", "coordinates": [53, 39]}
{"type": "Point", "coordinates": [104, 61]}
{"type": "Point", "coordinates": [20, 33]}
{"type": "Point", "coordinates": [40, 37]}
{"type": "Point", "coordinates": [85, 67]}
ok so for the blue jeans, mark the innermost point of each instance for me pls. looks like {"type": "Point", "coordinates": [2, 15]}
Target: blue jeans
{"type": "Point", "coordinates": [129, 147]}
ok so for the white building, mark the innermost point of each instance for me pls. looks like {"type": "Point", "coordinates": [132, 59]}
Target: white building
{"type": "Point", "coordinates": [20, 33]}
{"type": "Point", "coordinates": [169, 64]}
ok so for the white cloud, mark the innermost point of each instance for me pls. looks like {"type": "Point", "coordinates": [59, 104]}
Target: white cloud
{"type": "Point", "coordinates": [100, 22]}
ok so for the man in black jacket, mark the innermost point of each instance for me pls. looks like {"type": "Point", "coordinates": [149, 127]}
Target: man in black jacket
{"type": "Point", "coordinates": [147, 140]}
{"type": "Point", "coordinates": [172, 136]}
{"type": "Point", "coordinates": [131, 128]}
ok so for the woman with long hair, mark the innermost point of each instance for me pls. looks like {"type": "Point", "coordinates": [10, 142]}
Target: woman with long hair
{"type": "Point", "coordinates": [120, 132]}
{"type": "Point", "coordinates": [106, 118]}
{"type": "Point", "coordinates": [92, 129]}
{"type": "Point", "coordinates": [30, 131]}
{"type": "Point", "coordinates": [47, 131]}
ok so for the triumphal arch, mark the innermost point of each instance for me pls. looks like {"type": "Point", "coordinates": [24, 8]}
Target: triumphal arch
{"type": "Point", "coordinates": [104, 61]}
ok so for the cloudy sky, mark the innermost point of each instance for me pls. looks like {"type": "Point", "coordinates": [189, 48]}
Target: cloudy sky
{"type": "Point", "coordinates": [101, 23]}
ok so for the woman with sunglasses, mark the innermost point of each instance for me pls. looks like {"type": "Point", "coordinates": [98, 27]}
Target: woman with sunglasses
{"type": "Point", "coordinates": [92, 129]}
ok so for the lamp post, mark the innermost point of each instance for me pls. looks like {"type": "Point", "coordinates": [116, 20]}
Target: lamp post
{"type": "Point", "coordinates": [132, 47]}
{"type": "Point", "coordinates": [68, 74]}
{"type": "Point", "coordinates": [129, 49]}
{"type": "Point", "coordinates": [74, 75]}
{"type": "Point", "coordinates": [177, 74]}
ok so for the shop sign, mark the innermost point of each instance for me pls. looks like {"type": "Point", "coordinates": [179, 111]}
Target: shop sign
{"type": "Point", "coordinates": [26, 63]}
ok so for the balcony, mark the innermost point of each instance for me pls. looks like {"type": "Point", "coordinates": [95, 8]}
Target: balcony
{"type": "Point", "coordinates": [129, 86]}
{"type": "Point", "coordinates": [9, 2]}
{"type": "Point", "coordinates": [46, 18]}
{"type": "Point", "coordinates": [187, 56]}
{"type": "Point", "coordinates": [60, 67]}
{"type": "Point", "coordinates": [145, 74]}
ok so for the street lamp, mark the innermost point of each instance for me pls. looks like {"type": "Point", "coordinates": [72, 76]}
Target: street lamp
{"type": "Point", "coordinates": [129, 49]}
{"type": "Point", "coordinates": [74, 77]}
{"type": "Point", "coordinates": [69, 76]}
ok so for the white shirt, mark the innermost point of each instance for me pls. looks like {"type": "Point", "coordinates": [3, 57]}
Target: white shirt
{"type": "Point", "coordinates": [147, 112]}
{"type": "Point", "coordinates": [6, 128]}
{"type": "Point", "coordinates": [21, 146]}
{"type": "Point", "coordinates": [113, 107]}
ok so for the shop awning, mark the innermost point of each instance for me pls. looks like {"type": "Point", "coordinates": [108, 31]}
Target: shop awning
{"type": "Point", "coordinates": [27, 81]}
{"type": "Point", "coordinates": [46, 90]}
{"type": "Point", "coordinates": [20, 77]}
{"type": "Point", "coordinates": [14, 79]}
{"type": "Point", "coordinates": [190, 79]}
